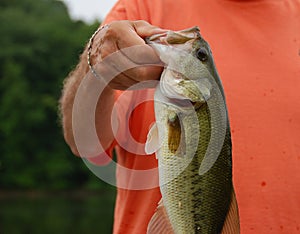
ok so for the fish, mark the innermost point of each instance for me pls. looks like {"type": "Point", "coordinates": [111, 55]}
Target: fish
{"type": "Point", "coordinates": [191, 139]}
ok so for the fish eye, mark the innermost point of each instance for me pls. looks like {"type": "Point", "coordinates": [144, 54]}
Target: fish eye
{"type": "Point", "coordinates": [202, 54]}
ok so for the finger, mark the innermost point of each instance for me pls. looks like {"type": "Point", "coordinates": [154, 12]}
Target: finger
{"type": "Point", "coordinates": [124, 82]}
{"type": "Point", "coordinates": [145, 69]}
{"type": "Point", "coordinates": [144, 73]}
{"type": "Point", "coordinates": [130, 34]}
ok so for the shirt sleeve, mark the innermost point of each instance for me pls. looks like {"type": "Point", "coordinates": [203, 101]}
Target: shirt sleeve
{"type": "Point", "coordinates": [130, 10]}
{"type": "Point", "coordinates": [118, 12]}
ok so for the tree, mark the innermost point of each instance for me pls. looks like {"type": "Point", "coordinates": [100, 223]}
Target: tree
{"type": "Point", "coordinates": [39, 46]}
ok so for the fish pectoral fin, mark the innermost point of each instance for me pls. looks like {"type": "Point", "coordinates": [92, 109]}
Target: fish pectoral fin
{"type": "Point", "coordinates": [160, 223]}
{"type": "Point", "coordinates": [232, 222]}
{"type": "Point", "coordinates": [152, 143]}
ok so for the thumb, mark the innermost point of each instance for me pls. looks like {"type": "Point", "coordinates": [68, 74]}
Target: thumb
{"type": "Point", "coordinates": [144, 29]}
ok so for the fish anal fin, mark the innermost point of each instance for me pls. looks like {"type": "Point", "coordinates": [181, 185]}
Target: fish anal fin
{"type": "Point", "coordinates": [232, 223]}
{"type": "Point", "coordinates": [160, 223]}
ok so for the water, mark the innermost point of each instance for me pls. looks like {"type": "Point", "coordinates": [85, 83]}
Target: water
{"type": "Point", "coordinates": [57, 213]}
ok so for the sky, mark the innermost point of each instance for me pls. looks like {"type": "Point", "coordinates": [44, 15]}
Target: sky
{"type": "Point", "coordinates": [89, 10]}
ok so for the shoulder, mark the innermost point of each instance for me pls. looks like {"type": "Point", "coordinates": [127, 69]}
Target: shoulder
{"type": "Point", "coordinates": [130, 10]}
{"type": "Point", "coordinates": [136, 9]}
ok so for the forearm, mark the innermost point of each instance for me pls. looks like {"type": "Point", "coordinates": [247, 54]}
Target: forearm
{"type": "Point", "coordinates": [103, 109]}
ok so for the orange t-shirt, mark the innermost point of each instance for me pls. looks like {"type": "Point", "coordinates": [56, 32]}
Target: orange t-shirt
{"type": "Point", "coordinates": [256, 46]}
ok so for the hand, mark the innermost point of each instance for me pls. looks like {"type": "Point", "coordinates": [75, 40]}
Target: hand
{"type": "Point", "coordinates": [120, 46]}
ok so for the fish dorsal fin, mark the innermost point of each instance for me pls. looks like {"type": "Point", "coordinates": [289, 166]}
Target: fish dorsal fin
{"type": "Point", "coordinates": [160, 223]}
{"type": "Point", "coordinates": [152, 143]}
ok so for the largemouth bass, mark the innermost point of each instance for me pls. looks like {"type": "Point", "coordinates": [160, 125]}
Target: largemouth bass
{"type": "Point", "coordinates": [191, 138]}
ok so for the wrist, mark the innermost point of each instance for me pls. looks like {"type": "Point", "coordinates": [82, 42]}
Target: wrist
{"type": "Point", "coordinates": [90, 47]}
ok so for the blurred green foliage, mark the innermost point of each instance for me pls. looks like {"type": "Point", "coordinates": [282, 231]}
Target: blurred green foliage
{"type": "Point", "coordinates": [58, 213]}
{"type": "Point", "coordinates": [40, 44]}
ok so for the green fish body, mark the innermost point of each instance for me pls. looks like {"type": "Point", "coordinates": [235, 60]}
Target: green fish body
{"type": "Point", "coordinates": [191, 138]}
